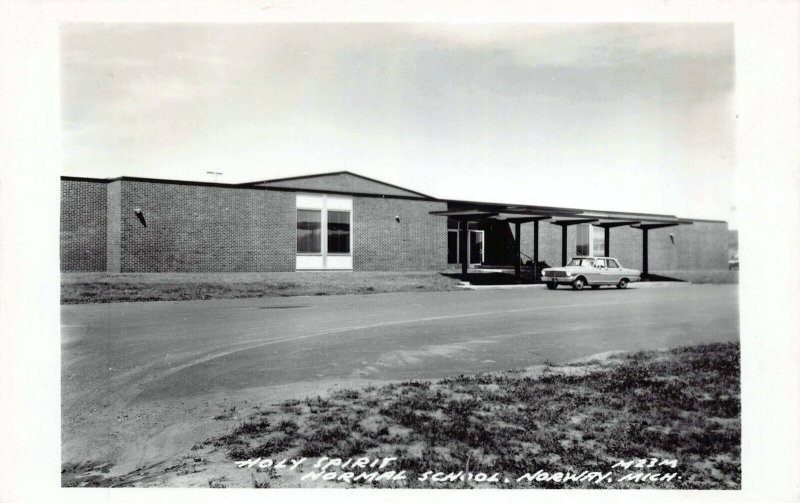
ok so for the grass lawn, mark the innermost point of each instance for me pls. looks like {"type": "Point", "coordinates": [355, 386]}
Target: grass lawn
{"type": "Point", "coordinates": [82, 288]}
{"type": "Point", "coordinates": [680, 404]}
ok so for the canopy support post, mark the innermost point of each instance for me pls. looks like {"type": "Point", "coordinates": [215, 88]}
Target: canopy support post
{"type": "Point", "coordinates": [463, 236]}
{"type": "Point", "coordinates": [517, 265]}
{"type": "Point", "coordinates": [535, 251]}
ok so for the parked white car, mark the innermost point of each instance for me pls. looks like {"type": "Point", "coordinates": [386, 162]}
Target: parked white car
{"type": "Point", "coordinates": [592, 271]}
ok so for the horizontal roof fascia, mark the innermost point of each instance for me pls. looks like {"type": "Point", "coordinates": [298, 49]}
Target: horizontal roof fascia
{"type": "Point", "coordinates": [244, 187]}
{"type": "Point", "coordinates": [483, 207]}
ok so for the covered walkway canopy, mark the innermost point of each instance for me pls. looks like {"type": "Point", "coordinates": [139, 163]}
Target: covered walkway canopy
{"type": "Point", "coordinates": [465, 212]}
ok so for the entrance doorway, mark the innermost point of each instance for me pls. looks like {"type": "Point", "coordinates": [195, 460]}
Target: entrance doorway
{"type": "Point", "coordinates": [476, 242]}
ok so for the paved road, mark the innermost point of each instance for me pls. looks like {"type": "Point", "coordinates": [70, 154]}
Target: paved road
{"type": "Point", "coordinates": [175, 349]}
{"type": "Point", "coordinates": [142, 382]}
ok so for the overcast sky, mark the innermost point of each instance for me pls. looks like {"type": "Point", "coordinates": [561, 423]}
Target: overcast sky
{"type": "Point", "coordinates": [614, 117]}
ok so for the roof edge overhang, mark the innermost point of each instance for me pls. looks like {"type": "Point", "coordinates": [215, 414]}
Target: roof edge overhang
{"type": "Point", "coordinates": [509, 212]}
{"type": "Point", "coordinates": [331, 173]}
{"type": "Point", "coordinates": [243, 187]}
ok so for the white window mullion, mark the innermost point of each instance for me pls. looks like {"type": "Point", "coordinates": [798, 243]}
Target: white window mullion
{"type": "Point", "coordinates": [324, 237]}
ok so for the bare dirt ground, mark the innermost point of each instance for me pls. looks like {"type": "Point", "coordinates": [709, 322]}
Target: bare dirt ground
{"type": "Point", "coordinates": [145, 383]}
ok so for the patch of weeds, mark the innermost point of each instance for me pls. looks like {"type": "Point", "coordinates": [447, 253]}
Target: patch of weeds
{"type": "Point", "coordinates": [217, 483]}
{"type": "Point", "coordinates": [345, 394]}
{"type": "Point", "coordinates": [252, 427]}
{"type": "Point", "coordinates": [287, 426]}
{"type": "Point", "coordinates": [260, 482]}
{"type": "Point", "coordinates": [323, 441]}
{"type": "Point", "coordinates": [228, 414]}
{"type": "Point", "coordinates": [682, 403]}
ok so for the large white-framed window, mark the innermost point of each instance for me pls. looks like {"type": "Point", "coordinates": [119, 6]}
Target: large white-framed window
{"type": "Point", "coordinates": [590, 240]}
{"type": "Point", "coordinates": [324, 232]}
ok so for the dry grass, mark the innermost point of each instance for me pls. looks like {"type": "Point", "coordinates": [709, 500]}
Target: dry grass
{"type": "Point", "coordinates": [680, 404]}
{"type": "Point", "coordinates": [83, 288]}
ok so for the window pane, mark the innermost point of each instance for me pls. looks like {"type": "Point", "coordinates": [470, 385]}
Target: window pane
{"type": "Point", "coordinates": [452, 247]}
{"type": "Point", "coordinates": [582, 239]}
{"type": "Point", "coordinates": [308, 231]}
{"type": "Point", "coordinates": [598, 241]}
{"type": "Point", "coordinates": [338, 232]}
{"type": "Point", "coordinates": [612, 263]}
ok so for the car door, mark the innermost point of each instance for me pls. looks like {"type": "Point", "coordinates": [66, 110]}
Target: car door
{"type": "Point", "coordinates": [613, 271]}
{"type": "Point", "coordinates": [597, 275]}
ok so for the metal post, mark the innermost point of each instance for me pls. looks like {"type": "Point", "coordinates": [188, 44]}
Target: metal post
{"type": "Point", "coordinates": [535, 251]}
{"type": "Point", "coordinates": [517, 272]}
{"type": "Point", "coordinates": [462, 247]}
{"type": "Point", "coordinates": [563, 245]}
{"type": "Point", "coordinates": [644, 252]}
{"type": "Point", "coordinates": [607, 241]}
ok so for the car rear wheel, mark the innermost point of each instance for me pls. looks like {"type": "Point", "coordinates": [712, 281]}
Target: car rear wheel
{"type": "Point", "coordinates": [552, 285]}
{"type": "Point", "coordinates": [623, 283]}
{"type": "Point", "coordinates": [578, 284]}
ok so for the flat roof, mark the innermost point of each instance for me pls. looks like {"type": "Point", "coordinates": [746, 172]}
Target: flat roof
{"type": "Point", "coordinates": [462, 207]}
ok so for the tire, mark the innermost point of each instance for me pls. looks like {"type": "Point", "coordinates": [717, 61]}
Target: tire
{"type": "Point", "coordinates": [579, 283]}
{"type": "Point", "coordinates": [623, 283]}
{"type": "Point", "coordinates": [595, 287]}
{"type": "Point", "coordinates": [552, 285]}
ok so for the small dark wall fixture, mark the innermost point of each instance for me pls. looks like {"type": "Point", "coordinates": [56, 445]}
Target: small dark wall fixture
{"type": "Point", "coordinates": [140, 216]}
{"type": "Point", "coordinates": [672, 238]}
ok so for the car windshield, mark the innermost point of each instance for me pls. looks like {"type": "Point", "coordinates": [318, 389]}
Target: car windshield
{"type": "Point", "coordinates": [585, 262]}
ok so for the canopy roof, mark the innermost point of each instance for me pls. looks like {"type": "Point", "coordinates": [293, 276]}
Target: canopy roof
{"type": "Point", "coordinates": [560, 216]}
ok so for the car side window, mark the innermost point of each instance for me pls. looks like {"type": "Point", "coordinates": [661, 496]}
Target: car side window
{"type": "Point", "coordinates": [613, 264]}
{"type": "Point", "coordinates": [600, 263]}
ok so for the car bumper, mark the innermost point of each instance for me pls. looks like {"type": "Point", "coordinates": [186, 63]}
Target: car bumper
{"type": "Point", "coordinates": [561, 280]}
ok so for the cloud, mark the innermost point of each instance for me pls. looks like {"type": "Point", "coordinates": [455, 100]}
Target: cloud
{"type": "Point", "coordinates": [585, 45]}
{"type": "Point", "coordinates": [413, 104]}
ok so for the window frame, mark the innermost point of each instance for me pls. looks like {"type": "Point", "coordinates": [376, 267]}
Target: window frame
{"type": "Point", "coordinates": [592, 243]}
{"type": "Point", "coordinates": [297, 232]}
{"type": "Point", "coordinates": [579, 231]}
{"type": "Point", "coordinates": [325, 260]}
{"type": "Point", "coordinates": [349, 233]}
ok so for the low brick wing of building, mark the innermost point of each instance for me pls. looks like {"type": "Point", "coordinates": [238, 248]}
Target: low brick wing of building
{"type": "Point", "coordinates": [344, 221]}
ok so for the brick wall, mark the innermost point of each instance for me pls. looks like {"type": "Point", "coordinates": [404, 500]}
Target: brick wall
{"type": "Point", "coordinates": [549, 242]}
{"type": "Point", "coordinates": [380, 243]}
{"type": "Point", "coordinates": [114, 227]}
{"type": "Point", "coordinates": [198, 228]}
{"type": "Point", "coordinates": [83, 225]}
{"type": "Point", "coordinates": [207, 228]}
{"type": "Point", "coordinates": [702, 245]}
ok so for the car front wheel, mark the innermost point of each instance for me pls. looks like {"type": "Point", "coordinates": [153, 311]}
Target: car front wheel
{"type": "Point", "coordinates": [552, 285]}
{"type": "Point", "coordinates": [623, 283]}
{"type": "Point", "coordinates": [578, 284]}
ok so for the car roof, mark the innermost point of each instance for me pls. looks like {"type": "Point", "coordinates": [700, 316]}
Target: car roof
{"type": "Point", "coordinates": [592, 257]}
